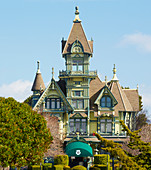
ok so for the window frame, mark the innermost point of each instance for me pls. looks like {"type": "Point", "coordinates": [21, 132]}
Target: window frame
{"type": "Point", "coordinates": [53, 103]}
{"type": "Point", "coordinates": [104, 126]}
{"type": "Point", "coordinates": [78, 123]}
{"type": "Point", "coordinates": [104, 103]}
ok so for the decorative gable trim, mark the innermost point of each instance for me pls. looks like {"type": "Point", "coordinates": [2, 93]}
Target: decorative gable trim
{"type": "Point", "coordinates": [53, 86]}
{"type": "Point", "coordinates": [105, 91]}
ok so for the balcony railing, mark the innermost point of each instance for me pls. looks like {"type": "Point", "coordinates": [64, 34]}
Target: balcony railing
{"type": "Point", "coordinates": [66, 73]}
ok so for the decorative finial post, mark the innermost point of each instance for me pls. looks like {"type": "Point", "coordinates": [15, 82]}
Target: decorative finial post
{"type": "Point", "coordinates": [137, 86]}
{"type": "Point", "coordinates": [106, 80]}
{"type": "Point", "coordinates": [38, 66]}
{"type": "Point", "coordinates": [52, 72]}
{"type": "Point", "coordinates": [77, 15]}
{"type": "Point", "coordinates": [114, 74]}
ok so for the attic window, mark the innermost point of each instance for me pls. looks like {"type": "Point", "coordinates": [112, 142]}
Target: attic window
{"type": "Point", "coordinates": [77, 47]}
{"type": "Point", "coordinates": [106, 101]}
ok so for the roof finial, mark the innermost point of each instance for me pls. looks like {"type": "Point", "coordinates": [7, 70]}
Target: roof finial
{"type": "Point", "coordinates": [38, 66]}
{"type": "Point", "coordinates": [106, 80]}
{"type": "Point", "coordinates": [77, 15]}
{"type": "Point", "coordinates": [114, 74]}
{"type": "Point", "coordinates": [137, 86]}
{"type": "Point", "coordinates": [52, 73]}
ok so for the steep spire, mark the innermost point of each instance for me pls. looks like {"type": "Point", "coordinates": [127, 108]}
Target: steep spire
{"type": "Point", "coordinates": [114, 74]}
{"type": "Point", "coordinates": [38, 66]}
{"type": "Point", "coordinates": [52, 72]}
{"type": "Point", "coordinates": [38, 84]}
{"type": "Point", "coordinates": [106, 80]}
{"type": "Point", "coordinates": [77, 19]}
{"type": "Point", "coordinates": [77, 33]}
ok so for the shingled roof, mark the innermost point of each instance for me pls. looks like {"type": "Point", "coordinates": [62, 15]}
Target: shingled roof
{"type": "Point", "coordinates": [77, 32]}
{"type": "Point", "coordinates": [38, 82]}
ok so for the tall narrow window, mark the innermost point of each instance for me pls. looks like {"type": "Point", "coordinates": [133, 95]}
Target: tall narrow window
{"type": "Point", "coordinates": [58, 103]}
{"type": "Point", "coordinates": [106, 126]}
{"type": "Point", "coordinates": [52, 103]}
{"type": "Point", "coordinates": [78, 125]}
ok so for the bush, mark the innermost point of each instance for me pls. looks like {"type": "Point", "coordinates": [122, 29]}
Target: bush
{"type": "Point", "coordinates": [58, 167]}
{"type": "Point", "coordinates": [47, 166]}
{"type": "Point", "coordinates": [101, 159]}
{"type": "Point", "coordinates": [79, 167]}
{"type": "Point", "coordinates": [61, 160]}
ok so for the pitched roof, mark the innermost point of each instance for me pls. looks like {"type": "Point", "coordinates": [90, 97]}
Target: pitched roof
{"type": "Point", "coordinates": [95, 88]}
{"type": "Point", "coordinates": [133, 97]}
{"type": "Point", "coordinates": [38, 83]}
{"type": "Point", "coordinates": [77, 32]}
{"type": "Point", "coordinates": [123, 102]}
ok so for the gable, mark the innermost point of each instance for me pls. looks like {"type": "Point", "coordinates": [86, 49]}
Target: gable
{"type": "Point", "coordinates": [106, 93]}
{"type": "Point", "coordinates": [53, 91]}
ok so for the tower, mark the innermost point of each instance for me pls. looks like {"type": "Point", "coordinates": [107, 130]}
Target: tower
{"type": "Point", "coordinates": [38, 85]}
{"type": "Point", "coordinates": [77, 52]}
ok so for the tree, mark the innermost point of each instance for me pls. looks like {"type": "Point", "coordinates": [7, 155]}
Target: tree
{"type": "Point", "coordinates": [141, 160]}
{"type": "Point", "coordinates": [141, 119]}
{"type": "Point", "coordinates": [29, 100]}
{"type": "Point", "coordinates": [24, 136]}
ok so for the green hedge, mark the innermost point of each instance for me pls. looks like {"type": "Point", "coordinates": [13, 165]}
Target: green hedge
{"type": "Point", "coordinates": [61, 160]}
{"type": "Point", "coordinates": [58, 167]}
{"type": "Point", "coordinates": [47, 166]}
{"type": "Point", "coordinates": [36, 167]}
{"type": "Point", "coordinates": [79, 167]}
{"type": "Point", "coordinates": [102, 159]}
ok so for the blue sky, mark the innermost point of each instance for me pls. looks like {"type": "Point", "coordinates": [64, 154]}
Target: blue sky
{"type": "Point", "coordinates": [32, 30]}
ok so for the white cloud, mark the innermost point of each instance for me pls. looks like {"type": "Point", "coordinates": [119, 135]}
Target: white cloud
{"type": "Point", "coordinates": [145, 91]}
{"type": "Point", "coordinates": [140, 40]}
{"type": "Point", "coordinates": [19, 90]}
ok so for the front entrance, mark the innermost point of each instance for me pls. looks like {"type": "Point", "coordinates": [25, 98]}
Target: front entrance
{"type": "Point", "coordinates": [73, 161]}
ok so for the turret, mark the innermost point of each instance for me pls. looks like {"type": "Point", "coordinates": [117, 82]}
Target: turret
{"type": "Point", "coordinates": [38, 85]}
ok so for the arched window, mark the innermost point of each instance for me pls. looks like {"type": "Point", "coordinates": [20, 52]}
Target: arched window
{"type": "Point", "coordinates": [106, 101]}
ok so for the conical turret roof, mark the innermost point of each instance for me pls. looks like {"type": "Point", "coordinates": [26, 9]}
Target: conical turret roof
{"type": "Point", "coordinates": [77, 33]}
{"type": "Point", "coordinates": [38, 82]}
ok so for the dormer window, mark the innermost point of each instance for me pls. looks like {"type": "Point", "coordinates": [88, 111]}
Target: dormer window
{"type": "Point", "coordinates": [106, 101]}
{"type": "Point", "coordinates": [77, 47]}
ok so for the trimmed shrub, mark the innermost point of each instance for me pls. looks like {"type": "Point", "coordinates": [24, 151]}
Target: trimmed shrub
{"type": "Point", "coordinates": [103, 159]}
{"type": "Point", "coordinates": [58, 167]}
{"type": "Point", "coordinates": [61, 160]}
{"type": "Point", "coordinates": [36, 167]}
{"type": "Point", "coordinates": [79, 167]}
{"type": "Point", "coordinates": [66, 167]}
{"type": "Point", "coordinates": [47, 166]}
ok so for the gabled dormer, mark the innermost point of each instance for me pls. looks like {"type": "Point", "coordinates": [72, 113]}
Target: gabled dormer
{"type": "Point", "coordinates": [106, 100]}
{"type": "Point", "coordinates": [77, 47]}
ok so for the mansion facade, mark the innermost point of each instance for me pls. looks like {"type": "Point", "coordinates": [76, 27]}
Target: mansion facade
{"type": "Point", "coordinates": [83, 103]}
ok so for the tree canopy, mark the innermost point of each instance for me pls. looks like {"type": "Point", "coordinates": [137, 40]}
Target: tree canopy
{"type": "Point", "coordinates": [142, 160]}
{"type": "Point", "coordinates": [24, 136]}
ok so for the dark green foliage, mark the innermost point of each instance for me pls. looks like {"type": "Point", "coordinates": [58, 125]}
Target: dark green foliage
{"type": "Point", "coordinates": [144, 157]}
{"type": "Point", "coordinates": [140, 103]}
{"type": "Point", "coordinates": [79, 167]}
{"type": "Point", "coordinates": [116, 151]}
{"type": "Point", "coordinates": [24, 136]}
{"type": "Point", "coordinates": [29, 100]}
{"type": "Point", "coordinates": [61, 160]}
